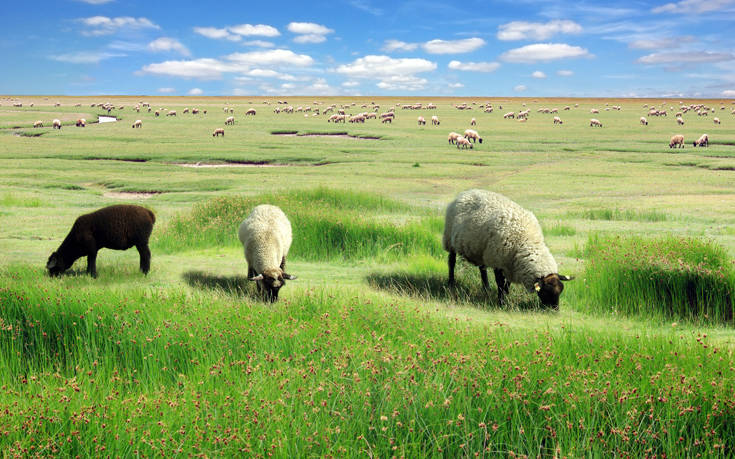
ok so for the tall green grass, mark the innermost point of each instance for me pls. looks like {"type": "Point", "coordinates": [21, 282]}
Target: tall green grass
{"type": "Point", "coordinates": [670, 277]}
{"type": "Point", "coordinates": [621, 215]}
{"type": "Point", "coordinates": [327, 225]}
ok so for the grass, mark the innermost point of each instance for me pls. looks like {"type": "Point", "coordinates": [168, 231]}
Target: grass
{"type": "Point", "coordinates": [619, 214]}
{"type": "Point", "coordinates": [670, 277]}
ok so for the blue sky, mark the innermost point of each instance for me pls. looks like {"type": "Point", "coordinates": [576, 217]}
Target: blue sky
{"type": "Point", "coordinates": [367, 47]}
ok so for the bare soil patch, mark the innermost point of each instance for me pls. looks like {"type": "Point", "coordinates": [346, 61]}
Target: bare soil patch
{"type": "Point", "coordinates": [131, 195]}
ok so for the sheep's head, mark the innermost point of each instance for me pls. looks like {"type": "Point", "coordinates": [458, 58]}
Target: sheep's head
{"type": "Point", "coordinates": [56, 264]}
{"type": "Point", "coordinates": [549, 289]}
{"type": "Point", "coordinates": [270, 282]}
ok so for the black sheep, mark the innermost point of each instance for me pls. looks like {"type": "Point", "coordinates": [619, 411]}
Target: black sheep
{"type": "Point", "coordinates": [115, 227]}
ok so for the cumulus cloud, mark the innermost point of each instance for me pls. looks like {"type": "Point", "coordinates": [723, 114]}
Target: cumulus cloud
{"type": "Point", "coordinates": [195, 92]}
{"type": "Point", "coordinates": [685, 57]}
{"type": "Point", "coordinates": [693, 6]}
{"type": "Point", "coordinates": [538, 74]}
{"type": "Point", "coordinates": [543, 52]}
{"type": "Point", "coordinates": [259, 43]}
{"type": "Point", "coordinates": [168, 44]}
{"type": "Point", "coordinates": [351, 84]}
{"type": "Point", "coordinates": [728, 93]}
{"type": "Point", "coordinates": [402, 83]}
{"type": "Point", "coordinates": [393, 74]}
{"type": "Point", "coordinates": [103, 25]}
{"type": "Point", "coordinates": [203, 69]}
{"type": "Point", "coordinates": [85, 57]}
{"type": "Point", "coordinates": [309, 32]}
{"type": "Point", "coordinates": [166, 90]}
{"type": "Point", "coordinates": [216, 34]}
{"type": "Point", "coordinates": [456, 85]}
{"type": "Point", "coordinates": [397, 45]}
{"type": "Point", "coordinates": [565, 73]}
{"type": "Point", "coordinates": [310, 38]}
{"type": "Point", "coordinates": [262, 30]}
{"type": "Point", "coordinates": [521, 30]}
{"type": "Point", "coordinates": [273, 57]}
{"type": "Point", "coordinates": [660, 43]}
{"type": "Point", "coordinates": [486, 67]}
{"type": "Point", "coordinates": [453, 46]}
{"type": "Point", "coordinates": [520, 88]}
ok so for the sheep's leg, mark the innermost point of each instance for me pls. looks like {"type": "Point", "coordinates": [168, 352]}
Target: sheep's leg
{"type": "Point", "coordinates": [145, 258]}
{"type": "Point", "coordinates": [92, 263]}
{"type": "Point", "coordinates": [283, 264]}
{"type": "Point", "coordinates": [503, 285]}
{"type": "Point", "coordinates": [451, 262]}
{"type": "Point", "coordinates": [483, 276]}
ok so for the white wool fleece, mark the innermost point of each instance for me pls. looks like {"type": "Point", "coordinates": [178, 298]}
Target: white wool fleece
{"type": "Point", "coordinates": [266, 237]}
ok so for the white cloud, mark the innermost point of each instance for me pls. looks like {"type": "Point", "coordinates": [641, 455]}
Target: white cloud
{"type": "Point", "coordinates": [520, 88]}
{"type": "Point", "coordinates": [728, 93]}
{"type": "Point", "coordinates": [216, 34]}
{"type": "Point", "coordinates": [456, 85]}
{"type": "Point", "coordinates": [693, 6]}
{"type": "Point", "coordinates": [259, 43]}
{"type": "Point", "coordinates": [262, 30]}
{"type": "Point", "coordinates": [103, 25]}
{"type": "Point", "coordinates": [397, 45]}
{"type": "Point", "coordinates": [402, 83]}
{"type": "Point", "coordinates": [538, 74]}
{"type": "Point", "coordinates": [365, 6]}
{"type": "Point", "coordinates": [453, 46]}
{"type": "Point", "coordinates": [486, 67]}
{"type": "Point", "coordinates": [203, 69]}
{"type": "Point", "coordinates": [273, 57]}
{"type": "Point", "coordinates": [351, 84]}
{"type": "Point", "coordinates": [166, 90]}
{"type": "Point", "coordinates": [268, 73]}
{"type": "Point", "coordinates": [95, 2]}
{"type": "Point", "coordinates": [393, 74]}
{"type": "Point", "coordinates": [685, 57]}
{"type": "Point", "coordinates": [310, 38]}
{"type": "Point", "coordinates": [85, 57]}
{"type": "Point", "coordinates": [308, 28]}
{"type": "Point", "coordinates": [543, 52]}
{"type": "Point", "coordinates": [168, 44]}
{"type": "Point", "coordinates": [521, 30]}
{"type": "Point", "coordinates": [195, 92]}
{"type": "Point", "coordinates": [565, 73]}
{"type": "Point", "coordinates": [660, 43]}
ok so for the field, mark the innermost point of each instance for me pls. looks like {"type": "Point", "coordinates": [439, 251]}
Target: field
{"type": "Point", "coordinates": [367, 353]}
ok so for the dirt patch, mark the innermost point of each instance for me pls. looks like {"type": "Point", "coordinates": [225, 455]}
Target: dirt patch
{"type": "Point", "coordinates": [200, 164]}
{"type": "Point", "coordinates": [342, 135]}
{"type": "Point", "coordinates": [131, 195]}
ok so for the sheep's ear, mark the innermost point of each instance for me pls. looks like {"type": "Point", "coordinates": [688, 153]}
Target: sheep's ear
{"type": "Point", "coordinates": [289, 276]}
{"type": "Point", "coordinates": [256, 278]}
{"type": "Point", "coordinates": [537, 286]}
{"type": "Point", "coordinates": [566, 278]}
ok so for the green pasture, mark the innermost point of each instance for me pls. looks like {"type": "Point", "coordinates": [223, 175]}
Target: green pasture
{"type": "Point", "coordinates": [367, 353]}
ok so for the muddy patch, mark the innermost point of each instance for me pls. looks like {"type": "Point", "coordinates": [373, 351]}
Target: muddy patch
{"type": "Point", "coordinates": [342, 135]}
{"type": "Point", "coordinates": [205, 165]}
{"type": "Point", "coordinates": [131, 195]}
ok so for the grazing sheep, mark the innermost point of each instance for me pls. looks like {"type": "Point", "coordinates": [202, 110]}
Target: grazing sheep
{"type": "Point", "coordinates": [558, 120]}
{"type": "Point", "coordinates": [594, 110]}
{"type": "Point", "coordinates": [472, 135]}
{"type": "Point", "coordinates": [595, 122]}
{"type": "Point", "coordinates": [171, 113]}
{"type": "Point", "coordinates": [509, 115]}
{"type": "Point", "coordinates": [491, 231]}
{"type": "Point", "coordinates": [435, 120]}
{"type": "Point", "coordinates": [56, 124]}
{"type": "Point", "coordinates": [677, 139]}
{"type": "Point", "coordinates": [194, 111]}
{"type": "Point", "coordinates": [117, 227]}
{"type": "Point", "coordinates": [81, 122]}
{"type": "Point", "coordinates": [680, 121]}
{"type": "Point", "coordinates": [421, 120]}
{"type": "Point", "coordinates": [453, 136]}
{"type": "Point", "coordinates": [218, 132]}
{"type": "Point", "coordinates": [473, 122]}
{"type": "Point", "coordinates": [702, 141]}
{"type": "Point", "coordinates": [186, 110]}
{"type": "Point", "coordinates": [230, 120]}
{"type": "Point", "coordinates": [388, 119]}
{"type": "Point", "coordinates": [138, 124]}
{"type": "Point", "coordinates": [250, 112]}
{"type": "Point", "coordinates": [266, 237]}
{"type": "Point", "coordinates": [158, 113]}
{"type": "Point", "coordinates": [463, 142]}
{"type": "Point", "coordinates": [644, 121]}
{"type": "Point", "coordinates": [38, 124]}
{"type": "Point", "coordinates": [716, 120]}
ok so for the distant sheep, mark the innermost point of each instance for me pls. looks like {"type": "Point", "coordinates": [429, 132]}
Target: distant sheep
{"type": "Point", "coordinates": [594, 110]}
{"type": "Point", "coordinates": [472, 135]}
{"type": "Point", "coordinates": [595, 122]}
{"type": "Point", "coordinates": [117, 227]}
{"type": "Point", "coordinates": [158, 113]}
{"type": "Point", "coordinates": [171, 113]}
{"type": "Point", "coordinates": [680, 121]}
{"type": "Point", "coordinates": [463, 143]}
{"type": "Point", "coordinates": [716, 120]}
{"type": "Point", "coordinates": [677, 139]}
{"type": "Point", "coordinates": [558, 120]}
{"type": "Point", "coordinates": [230, 120]}
{"type": "Point", "coordinates": [81, 122]}
{"type": "Point", "coordinates": [386, 120]}
{"type": "Point", "coordinates": [217, 132]}
{"type": "Point", "coordinates": [56, 124]}
{"type": "Point", "coordinates": [644, 121]}
{"type": "Point", "coordinates": [266, 238]}
{"type": "Point", "coordinates": [473, 122]}
{"type": "Point", "coordinates": [435, 120]}
{"type": "Point", "coordinates": [453, 137]}
{"type": "Point", "coordinates": [138, 124]}
{"type": "Point", "coordinates": [421, 120]}
{"type": "Point", "coordinates": [509, 115]}
{"type": "Point", "coordinates": [702, 141]}
{"type": "Point", "coordinates": [38, 124]}
{"type": "Point", "coordinates": [250, 112]}
{"type": "Point", "coordinates": [491, 231]}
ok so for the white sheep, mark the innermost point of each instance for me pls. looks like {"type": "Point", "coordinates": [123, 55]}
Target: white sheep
{"type": "Point", "coordinates": [421, 120]}
{"type": "Point", "coordinates": [677, 139]}
{"type": "Point", "coordinates": [230, 120]}
{"type": "Point", "coordinates": [595, 122]}
{"type": "Point", "coordinates": [558, 120]}
{"type": "Point", "coordinates": [680, 121]}
{"type": "Point", "coordinates": [171, 113]}
{"type": "Point", "coordinates": [473, 122]}
{"type": "Point", "coordinates": [266, 238]}
{"type": "Point", "coordinates": [81, 122]}
{"type": "Point", "coordinates": [702, 141]}
{"type": "Point", "coordinates": [509, 115]}
{"type": "Point", "coordinates": [463, 142]}
{"type": "Point", "coordinates": [594, 110]}
{"type": "Point", "coordinates": [38, 124]}
{"type": "Point", "coordinates": [250, 112]}
{"type": "Point", "coordinates": [472, 135]}
{"type": "Point", "coordinates": [138, 124]}
{"type": "Point", "coordinates": [435, 120]}
{"type": "Point", "coordinates": [644, 121]}
{"type": "Point", "coordinates": [491, 231]}
{"type": "Point", "coordinates": [716, 120]}
{"type": "Point", "coordinates": [56, 124]}
{"type": "Point", "coordinates": [218, 132]}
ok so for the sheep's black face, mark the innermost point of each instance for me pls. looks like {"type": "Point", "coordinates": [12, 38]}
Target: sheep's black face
{"type": "Point", "coordinates": [549, 289]}
{"type": "Point", "coordinates": [56, 265]}
{"type": "Point", "coordinates": [270, 283]}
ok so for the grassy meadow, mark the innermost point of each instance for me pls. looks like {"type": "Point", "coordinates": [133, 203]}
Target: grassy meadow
{"type": "Point", "coordinates": [367, 353]}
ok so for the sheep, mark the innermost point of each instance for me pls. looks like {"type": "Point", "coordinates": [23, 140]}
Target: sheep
{"type": "Point", "coordinates": [38, 124]}
{"type": "Point", "coordinates": [644, 121]}
{"type": "Point", "coordinates": [138, 124]}
{"type": "Point", "coordinates": [509, 115]}
{"type": "Point", "coordinates": [56, 124]}
{"type": "Point", "coordinates": [473, 122]}
{"type": "Point", "coordinates": [677, 139]}
{"type": "Point", "coordinates": [158, 113]}
{"type": "Point", "coordinates": [558, 120]}
{"type": "Point", "coordinates": [435, 120]}
{"type": "Point", "coordinates": [680, 121]}
{"type": "Point", "coordinates": [387, 120]}
{"type": "Point", "coordinates": [250, 112]}
{"type": "Point", "coordinates": [716, 120]}
{"type": "Point", "coordinates": [266, 237]}
{"type": "Point", "coordinates": [595, 122]}
{"type": "Point", "coordinates": [230, 120]}
{"type": "Point", "coordinates": [453, 136]}
{"type": "Point", "coordinates": [118, 227]}
{"type": "Point", "coordinates": [186, 110]}
{"type": "Point", "coordinates": [594, 110]}
{"type": "Point", "coordinates": [421, 120]}
{"type": "Point", "coordinates": [81, 122]}
{"type": "Point", "coordinates": [463, 142]}
{"type": "Point", "coordinates": [171, 113]}
{"type": "Point", "coordinates": [472, 135]}
{"type": "Point", "coordinates": [491, 231]}
{"type": "Point", "coordinates": [194, 111]}
{"type": "Point", "coordinates": [218, 132]}
{"type": "Point", "coordinates": [702, 141]}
